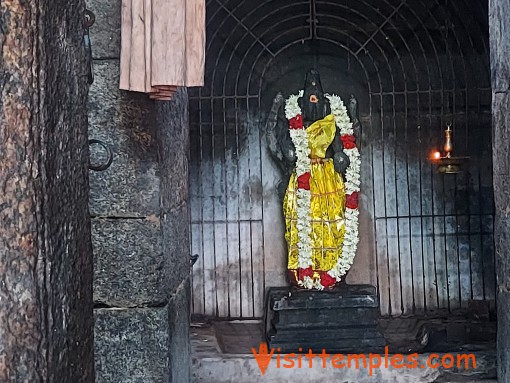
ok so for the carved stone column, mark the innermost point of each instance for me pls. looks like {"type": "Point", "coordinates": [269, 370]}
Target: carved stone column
{"type": "Point", "coordinates": [499, 15]}
{"type": "Point", "coordinates": [46, 317]}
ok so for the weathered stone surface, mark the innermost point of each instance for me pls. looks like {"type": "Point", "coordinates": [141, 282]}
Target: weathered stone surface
{"type": "Point", "coordinates": [499, 27]}
{"type": "Point", "coordinates": [135, 262]}
{"type": "Point", "coordinates": [129, 264]}
{"type": "Point", "coordinates": [105, 33]}
{"type": "Point", "coordinates": [214, 361]}
{"type": "Point", "coordinates": [45, 250]}
{"type": "Point", "coordinates": [212, 366]}
{"type": "Point", "coordinates": [179, 344]}
{"type": "Point", "coordinates": [173, 149]}
{"type": "Point", "coordinates": [140, 262]}
{"type": "Point", "coordinates": [501, 140]}
{"type": "Point", "coordinates": [503, 358]}
{"type": "Point", "coordinates": [175, 237]}
{"type": "Point", "coordinates": [173, 139]}
{"type": "Point", "coordinates": [501, 164]}
{"type": "Point", "coordinates": [126, 122]}
{"type": "Point", "coordinates": [145, 345]}
{"type": "Point", "coordinates": [131, 345]}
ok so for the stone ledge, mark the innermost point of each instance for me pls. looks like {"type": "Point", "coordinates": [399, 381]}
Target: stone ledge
{"type": "Point", "coordinates": [210, 365]}
{"type": "Point", "coordinates": [234, 369]}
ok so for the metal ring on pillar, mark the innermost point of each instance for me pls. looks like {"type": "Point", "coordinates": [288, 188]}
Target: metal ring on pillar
{"type": "Point", "coordinates": [108, 162]}
{"type": "Point", "coordinates": [90, 19]}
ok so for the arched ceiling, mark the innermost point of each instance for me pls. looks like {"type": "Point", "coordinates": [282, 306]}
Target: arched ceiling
{"type": "Point", "coordinates": [390, 45]}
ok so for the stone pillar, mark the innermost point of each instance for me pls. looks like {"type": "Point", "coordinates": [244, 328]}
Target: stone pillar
{"type": "Point", "coordinates": [139, 209]}
{"type": "Point", "coordinates": [499, 24]}
{"type": "Point", "coordinates": [45, 250]}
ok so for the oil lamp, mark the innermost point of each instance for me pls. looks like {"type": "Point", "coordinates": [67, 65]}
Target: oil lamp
{"type": "Point", "coordinates": [447, 163]}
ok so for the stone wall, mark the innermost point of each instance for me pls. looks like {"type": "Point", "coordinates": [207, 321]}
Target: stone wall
{"type": "Point", "coordinates": [46, 317]}
{"type": "Point", "coordinates": [139, 222]}
{"type": "Point", "coordinates": [499, 15]}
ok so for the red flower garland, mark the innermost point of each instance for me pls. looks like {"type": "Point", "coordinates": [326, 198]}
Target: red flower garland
{"type": "Point", "coordinates": [302, 273]}
{"type": "Point", "coordinates": [349, 141]}
{"type": "Point", "coordinates": [304, 181]}
{"type": "Point", "coordinates": [351, 200]}
{"type": "Point", "coordinates": [296, 122]}
{"type": "Point", "coordinates": [327, 280]}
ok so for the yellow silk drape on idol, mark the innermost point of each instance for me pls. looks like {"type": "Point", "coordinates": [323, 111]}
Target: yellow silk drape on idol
{"type": "Point", "coordinates": [327, 207]}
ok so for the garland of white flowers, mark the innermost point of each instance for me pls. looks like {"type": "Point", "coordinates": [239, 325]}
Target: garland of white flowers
{"type": "Point", "coordinates": [300, 139]}
{"type": "Point", "coordinates": [352, 185]}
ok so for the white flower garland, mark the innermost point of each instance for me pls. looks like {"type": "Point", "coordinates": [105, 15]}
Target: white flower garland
{"type": "Point", "coordinates": [300, 139]}
{"type": "Point", "coordinates": [352, 184]}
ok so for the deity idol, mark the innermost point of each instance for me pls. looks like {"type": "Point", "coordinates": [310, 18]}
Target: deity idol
{"type": "Point", "coordinates": [311, 136]}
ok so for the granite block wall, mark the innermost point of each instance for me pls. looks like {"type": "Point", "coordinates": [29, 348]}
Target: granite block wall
{"type": "Point", "coordinates": [139, 222]}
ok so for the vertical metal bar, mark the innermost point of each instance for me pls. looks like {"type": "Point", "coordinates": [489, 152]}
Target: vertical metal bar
{"type": "Point", "coordinates": [443, 123]}
{"type": "Point", "coordinates": [370, 110]}
{"type": "Point", "coordinates": [467, 180]}
{"type": "Point", "coordinates": [261, 134]}
{"type": "Point", "coordinates": [202, 192]}
{"type": "Point", "coordinates": [313, 20]}
{"type": "Point", "coordinates": [480, 212]}
{"type": "Point", "coordinates": [457, 240]}
{"type": "Point", "coordinates": [432, 207]}
{"type": "Point", "coordinates": [420, 159]}
{"type": "Point", "coordinates": [213, 245]}
{"type": "Point", "coordinates": [226, 199]}
{"type": "Point", "coordinates": [395, 155]}
{"type": "Point", "coordinates": [238, 212]}
{"type": "Point", "coordinates": [385, 205]}
{"type": "Point", "coordinates": [454, 112]}
{"type": "Point", "coordinates": [455, 209]}
{"type": "Point", "coordinates": [409, 197]}
{"type": "Point", "coordinates": [251, 266]}
{"type": "Point", "coordinates": [251, 206]}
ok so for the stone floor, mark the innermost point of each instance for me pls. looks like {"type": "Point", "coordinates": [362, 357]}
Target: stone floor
{"type": "Point", "coordinates": [221, 353]}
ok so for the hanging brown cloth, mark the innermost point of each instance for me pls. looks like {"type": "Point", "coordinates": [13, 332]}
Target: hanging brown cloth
{"type": "Point", "coordinates": [162, 46]}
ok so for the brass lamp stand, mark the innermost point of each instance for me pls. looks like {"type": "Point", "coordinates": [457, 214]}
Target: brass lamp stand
{"type": "Point", "coordinates": [448, 164]}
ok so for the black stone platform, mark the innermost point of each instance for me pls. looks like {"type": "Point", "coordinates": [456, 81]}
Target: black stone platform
{"type": "Point", "coordinates": [343, 320]}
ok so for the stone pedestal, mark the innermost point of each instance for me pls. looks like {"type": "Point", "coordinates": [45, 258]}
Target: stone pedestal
{"type": "Point", "coordinates": [341, 320]}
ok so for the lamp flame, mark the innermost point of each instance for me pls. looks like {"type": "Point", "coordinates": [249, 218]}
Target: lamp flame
{"type": "Point", "coordinates": [436, 155]}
